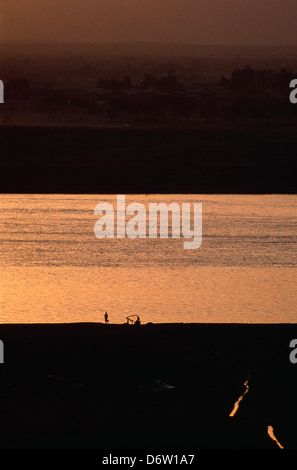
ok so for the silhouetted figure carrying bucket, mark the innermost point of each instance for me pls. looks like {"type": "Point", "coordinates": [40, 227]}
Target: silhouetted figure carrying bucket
{"type": "Point", "coordinates": [106, 318]}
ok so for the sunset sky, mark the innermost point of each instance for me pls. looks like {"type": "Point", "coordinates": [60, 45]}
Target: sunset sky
{"type": "Point", "coordinates": [238, 22]}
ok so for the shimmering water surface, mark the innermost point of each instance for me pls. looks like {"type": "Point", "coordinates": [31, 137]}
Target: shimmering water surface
{"type": "Point", "coordinates": [54, 269]}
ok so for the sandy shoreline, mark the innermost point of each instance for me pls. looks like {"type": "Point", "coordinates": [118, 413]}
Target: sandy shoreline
{"type": "Point", "coordinates": [90, 386]}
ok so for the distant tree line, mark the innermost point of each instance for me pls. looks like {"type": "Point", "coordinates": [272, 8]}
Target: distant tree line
{"type": "Point", "coordinates": [166, 84]}
{"type": "Point", "coordinates": [247, 79]}
{"type": "Point", "coordinates": [248, 94]}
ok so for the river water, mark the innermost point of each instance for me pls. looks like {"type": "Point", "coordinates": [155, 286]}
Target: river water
{"type": "Point", "coordinates": [53, 268]}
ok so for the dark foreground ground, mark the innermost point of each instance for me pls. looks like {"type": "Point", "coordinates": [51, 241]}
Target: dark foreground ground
{"type": "Point", "coordinates": [77, 160]}
{"type": "Point", "coordinates": [89, 386]}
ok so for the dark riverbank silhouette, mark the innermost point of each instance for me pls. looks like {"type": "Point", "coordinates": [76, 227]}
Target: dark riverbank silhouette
{"type": "Point", "coordinates": [88, 386]}
{"type": "Point", "coordinates": [79, 160]}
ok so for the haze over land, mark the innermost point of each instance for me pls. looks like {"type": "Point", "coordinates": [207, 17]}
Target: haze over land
{"type": "Point", "coordinates": [130, 66]}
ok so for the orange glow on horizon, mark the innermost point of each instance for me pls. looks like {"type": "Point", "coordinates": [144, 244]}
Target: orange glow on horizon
{"type": "Point", "coordinates": [216, 22]}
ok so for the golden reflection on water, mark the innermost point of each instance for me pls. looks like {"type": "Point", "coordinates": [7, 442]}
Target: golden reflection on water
{"type": "Point", "coordinates": [272, 436]}
{"type": "Point", "coordinates": [206, 295]}
{"type": "Point", "coordinates": [236, 405]}
{"type": "Point", "coordinates": [53, 269]}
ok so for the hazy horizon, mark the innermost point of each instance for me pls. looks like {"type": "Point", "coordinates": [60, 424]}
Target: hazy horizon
{"type": "Point", "coordinates": [13, 48]}
{"type": "Point", "coordinates": [150, 43]}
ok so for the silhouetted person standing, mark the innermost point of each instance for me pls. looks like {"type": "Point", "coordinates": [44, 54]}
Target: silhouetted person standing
{"type": "Point", "coordinates": [106, 318]}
